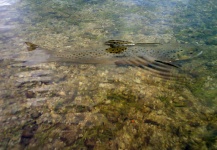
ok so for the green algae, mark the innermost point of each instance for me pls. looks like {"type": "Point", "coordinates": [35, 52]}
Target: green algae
{"type": "Point", "coordinates": [120, 96]}
{"type": "Point", "coordinates": [58, 106]}
{"type": "Point", "coordinates": [91, 136]}
{"type": "Point", "coordinates": [124, 100]}
{"type": "Point", "coordinates": [180, 104]}
{"type": "Point", "coordinates": [169, 101]}
{"type": "Point", "coordinates": [198, 89]}
{"type": "Point", "coordinates": [164, 99]}
{"type": "Point", "coordinates": [210, 138]}
{"type": "Point", "coordinates": [45, 133]}
{"type": "Point", "coordinates": [117, 113]}
{"type": "Point", "coordinates": [121, 103]}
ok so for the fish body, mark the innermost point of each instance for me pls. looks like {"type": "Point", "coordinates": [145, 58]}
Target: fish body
{"type": "Point", "coordinates": [155, 57]}
{"type": "Point", "coordinates": [167, 52]}
{"type": "Point", "coordinates": [163, 52]}
{"type": "Point", "coordinates": [122, 51]}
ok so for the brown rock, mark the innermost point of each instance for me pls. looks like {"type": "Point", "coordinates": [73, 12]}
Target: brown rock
{"type": "Point", "coordinates": [30, 94]}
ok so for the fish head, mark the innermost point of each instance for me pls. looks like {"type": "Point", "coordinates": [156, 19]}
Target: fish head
{"type": "Point", "coordinates": [188, 52]}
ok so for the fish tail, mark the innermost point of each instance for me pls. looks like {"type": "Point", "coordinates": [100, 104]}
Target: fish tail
{"type": "Point", "coordinates": [35, 55]}
{"type": "Point", "coordinates": [31, 46]}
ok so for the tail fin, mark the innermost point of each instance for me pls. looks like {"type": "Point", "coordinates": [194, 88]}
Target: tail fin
{"type": "Point", "coordinates": [36, 55]}
{"type": "Point", "coordinates": [31, 46]}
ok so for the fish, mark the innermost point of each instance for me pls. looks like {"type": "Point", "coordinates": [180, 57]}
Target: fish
{"type": "Point", "coordinates": [124, 50]}
{"type": "Point", "coordinates": [168, 52]}
{"type": "Point", "coordinates": [100, 55]}
{"type": "Point", "coordinates": [157, 57]}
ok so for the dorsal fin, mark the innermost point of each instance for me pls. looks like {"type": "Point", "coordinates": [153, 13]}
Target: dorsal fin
{"type": "Point", "coordinates": [120, 43]}
{"type": "Point", "coordinates": [31, 46]}
{"type": "Point", "coordinates": [166, 63]}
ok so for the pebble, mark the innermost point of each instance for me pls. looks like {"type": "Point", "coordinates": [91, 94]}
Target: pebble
{"type": "Point", "coordinates": [27, 134]}
{"type": "Point", "coordinates": [62, 93]}
{"type": "Point", "coordinates": [107, 102]}
{"type": "Point", "coordinates": [137, 80]}
{"type": "Point", "coordinates": [35, 115]}
{"type": "Point", "coordinates": [159, 112]}
{"type": "Point", "coordinates": [30, 94]}
{"type": "Point", "coordinates": [14, 118]}
{"type": "Point", "coordinates": [181, 98]}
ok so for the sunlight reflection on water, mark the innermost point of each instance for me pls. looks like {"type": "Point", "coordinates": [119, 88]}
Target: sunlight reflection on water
{"type": "Point", "coordinates": [7, 2]}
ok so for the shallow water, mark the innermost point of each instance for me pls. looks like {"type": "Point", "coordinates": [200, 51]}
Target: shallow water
{"type": "Point", "coordinates": [78, 106]}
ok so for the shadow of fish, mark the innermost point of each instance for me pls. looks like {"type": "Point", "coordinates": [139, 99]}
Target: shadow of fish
{"type": "Point", "coordinates": [156, 57]}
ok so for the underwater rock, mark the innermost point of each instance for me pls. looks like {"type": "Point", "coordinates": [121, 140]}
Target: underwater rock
{"type": "Point", "coordinates": [211, 41]}
{"type": "Point", "coordinates": [70, 135]}
{"type": "Point", "coordinates": [30, 94]}
{"type": "Point", "coordinates": [90, 143]}
{"type": "Point", "coordinates": [35, 115]}
{"type": "Point", "coordinates": [28, 132]}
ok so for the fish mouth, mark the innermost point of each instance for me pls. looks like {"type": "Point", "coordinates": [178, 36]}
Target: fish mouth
{"type": "Point", "coordinates": [201, 52]}
{"type": "Point", "coordinates": [192, 55]}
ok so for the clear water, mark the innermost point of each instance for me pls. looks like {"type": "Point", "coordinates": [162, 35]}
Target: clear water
{"type": "Point", "coordinates": [69, 106]}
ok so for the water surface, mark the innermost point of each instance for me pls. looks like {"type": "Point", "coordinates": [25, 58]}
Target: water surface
{"type": "Point", "coordinates": [78, 106]}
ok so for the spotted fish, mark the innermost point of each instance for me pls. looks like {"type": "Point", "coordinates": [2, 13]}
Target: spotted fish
{"type": "Point", "coordinates": [155, 56]}
{"type": "Point", "coordinates": [124, 50]}
{"type": "Point", "coordinates": [161, 52]}
{"type": "Point", "coordinates": [101, 55]}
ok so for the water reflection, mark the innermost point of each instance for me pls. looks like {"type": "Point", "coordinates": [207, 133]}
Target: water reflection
{"type": "Point", "coordinates": [7, 3]}
{"type": "Point", "coordinates": [65, 105]}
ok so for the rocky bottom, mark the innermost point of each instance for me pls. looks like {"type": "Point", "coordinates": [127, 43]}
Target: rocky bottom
{"type": "Point", "coordinates": [101, 107]}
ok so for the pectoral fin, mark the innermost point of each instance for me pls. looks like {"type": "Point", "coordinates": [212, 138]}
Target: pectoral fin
{"type": "Point", "coordinates": [166, 63]}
